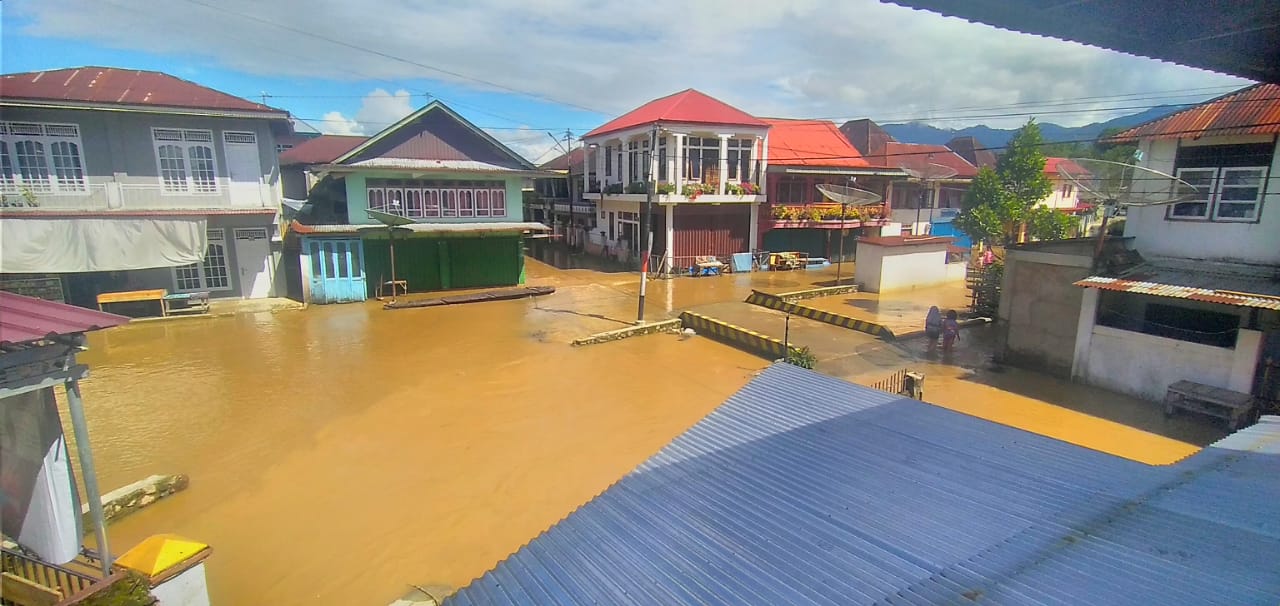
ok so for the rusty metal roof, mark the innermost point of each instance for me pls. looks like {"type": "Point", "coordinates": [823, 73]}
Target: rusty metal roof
{"type": "Point", "coordinates": [1254, 110]}
{"type": "Point", "coordinates": [320, 150]}
{"type": "Point", "coordinates": [1224, 283]}
{"type": "Point", "coordinates": [114, 86]}
{"type": "Point", "coordinates": [24, 319]}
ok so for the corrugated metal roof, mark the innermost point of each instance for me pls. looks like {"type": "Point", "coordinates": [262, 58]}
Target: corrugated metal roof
{"type": "Point", "coordinates": [114, 86]}
{"type": "Point", "coordinates": [320, 150]}
{"type": "Point", "coordinates": [441, 228]}
{"type": "Point", "coordinates": [413, 164]}
{"type": "Point", "coordinates": [811, 143]}
{"type": "Point", "coordinates": [1196, 280]}
{"type": "Point", "coordinates": [804, 489]}
{"type": "Point", "coordinates": [1253, 110]}
{"type": "Point", "coordinates": [685, 107]}
{"type": "Point", "coordinates": [919, 156]}
{"type": "Point", "coordinates": [25, 319]}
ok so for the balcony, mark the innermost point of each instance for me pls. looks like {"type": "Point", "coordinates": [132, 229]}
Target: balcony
{"type": "Point", "coordinates": [825, 216]}
{"type": "Point", "coordinates": [697, 192]}
{"type": "Point", "coordinates": [136, 195]}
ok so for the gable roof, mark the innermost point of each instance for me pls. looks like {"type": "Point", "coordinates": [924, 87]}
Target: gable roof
{"type": "Point", "coordinates": [972, 151]}
{"type": "Point", "coordinates": [397, 146]}
{"type": "Point", "coordinates": [24, 319]}
{"type": "Point", "coordinates": [569, 161]}
{"type": "Point", "coordinates": [320, 150]}
{"type": "Point", "coordinates": [1253, 110]}
{"type": "Point", "coordinates": [685, 107]}
{"type": "Point", "coordinates": [1055, 166]}
{"type": "Point", "coordinates": [110, 86]}
{"type": "Point", "coordinates": [811, 143]}
{"type": "Point", "coordinates": [805, 489]}
{"type": "Point", "coordinates": [918, 155]}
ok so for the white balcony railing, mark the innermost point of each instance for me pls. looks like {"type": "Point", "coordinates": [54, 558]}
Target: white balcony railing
{"type": "Point", "coordinates": [114, 195]}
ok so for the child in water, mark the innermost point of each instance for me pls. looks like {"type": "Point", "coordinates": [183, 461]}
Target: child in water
{"type": "Point", "coordinates": [950, 331]}
{"type": "Point", "coordinates": [933, 328]}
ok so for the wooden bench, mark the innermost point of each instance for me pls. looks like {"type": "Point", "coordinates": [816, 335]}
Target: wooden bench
{"type": "Point", "coordinates": [1232, 406]}
{"type": "Point", "coordinates": [192, 303]}
{"type": "Point", "coordinates": [131, 296]}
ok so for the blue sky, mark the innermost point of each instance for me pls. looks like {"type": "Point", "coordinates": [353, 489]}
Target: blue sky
{"type": "Point", "coordinates": [354, 67]}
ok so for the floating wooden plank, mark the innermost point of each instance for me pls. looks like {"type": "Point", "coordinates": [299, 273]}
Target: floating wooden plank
{"type": "Point", "coordinates": [505, 294]}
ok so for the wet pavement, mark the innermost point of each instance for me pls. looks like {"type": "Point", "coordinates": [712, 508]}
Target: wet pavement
{"type": "Point", "coordinates": [341, 453]}
{"type": "Point", "coordinates": [902, 312]}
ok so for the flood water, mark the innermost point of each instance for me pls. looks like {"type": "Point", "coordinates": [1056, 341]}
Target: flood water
{"type": "Point", "coordinates": [339, 453]}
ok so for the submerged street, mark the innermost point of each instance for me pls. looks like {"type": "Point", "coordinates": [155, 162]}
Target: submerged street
{"type": "Point", "coordinates": [340, 453]}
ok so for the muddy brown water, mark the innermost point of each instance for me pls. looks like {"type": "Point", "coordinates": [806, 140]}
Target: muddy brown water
{"type": "Point", "coordinates": [340, 453]}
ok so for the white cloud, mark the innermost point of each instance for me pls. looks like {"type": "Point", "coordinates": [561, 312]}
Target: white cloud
{"type": "Point", "coordinates": [378, 110]}
{"type": "Point", "coordinates": [814, 58]}
{"type": "Point", "coordinates": [535, 145]}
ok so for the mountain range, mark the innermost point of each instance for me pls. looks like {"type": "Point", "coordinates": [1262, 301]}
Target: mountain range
{"type": "Point", "coordinates": [919, 132]}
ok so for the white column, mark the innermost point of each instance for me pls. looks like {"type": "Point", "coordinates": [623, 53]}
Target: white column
{"type": "Point", "coordinates": [586, 173]}
{"type": "Point", "coordinates": [671, 162]}
{"type": "Point", "coordinates": [678, 176]}
{"type": "Point", "coordinates": [764, 162]}
{"type": "Point", "coordinates": [1245, 360]}
{"type": "Point", "coordinates": [671, 236]}
{"type": "Point", "coordinates": [724, 163]}
{"type": "Point", "coordinates": [625, 169]}
{"type": "Point", "coordinates": [755, 228]}
{"type": "Point", "coordinates": [1084, 334]}
{"type": "Point", "coordinates": [888, 199]}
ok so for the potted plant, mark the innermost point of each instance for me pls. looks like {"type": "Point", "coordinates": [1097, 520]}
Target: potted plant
{"type": "Point", "coordinates": [637, 187]}
{"type": "Point", "coordinates": [613, 188]}
{"type": "Point", "coordinates": [666, 188]}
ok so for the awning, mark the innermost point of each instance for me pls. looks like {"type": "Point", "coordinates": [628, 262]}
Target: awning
{"type": "Point", "coordinates": [1222, 283]}
{"type": "Point", "coordinates": [65, 244]}
{"type": "Point", "coordinates": [422, 228]}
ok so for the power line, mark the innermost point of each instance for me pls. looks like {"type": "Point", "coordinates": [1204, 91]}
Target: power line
{"type": "Point", "coordinates": [392, 57]}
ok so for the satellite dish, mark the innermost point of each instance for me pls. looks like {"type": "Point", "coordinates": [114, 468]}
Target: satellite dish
{"type": "Point", "coordinates": [1115, 184]}
{"type": "Point", "coordinates": [851, 196]}
{"type": "Point", "coordinates": [389, 219]}
{"type": "Point", "coordinates": [929, 172]}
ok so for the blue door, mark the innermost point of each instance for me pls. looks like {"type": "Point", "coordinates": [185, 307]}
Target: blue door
{"type": "Point", "coordinates": [337, 270]}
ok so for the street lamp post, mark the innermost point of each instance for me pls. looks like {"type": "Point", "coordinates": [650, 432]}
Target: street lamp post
{"type": "Point", "coordinates": [648, 221]}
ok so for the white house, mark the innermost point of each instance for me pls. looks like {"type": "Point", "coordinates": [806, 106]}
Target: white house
{"type": "Point", "coordinates": [1204, 305]}
{"type": "Point", "coordinates": [116, 179]}
{"type": "Point", "coordinates": [710, 165]}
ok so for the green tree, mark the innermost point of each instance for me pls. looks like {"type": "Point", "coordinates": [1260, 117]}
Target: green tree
{"type": "Point", "coordinates": [1001, 202]}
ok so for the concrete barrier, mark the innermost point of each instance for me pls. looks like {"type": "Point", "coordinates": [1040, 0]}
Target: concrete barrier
{"type": "Point", "coordinates": [734, 335]}
{"type": "Point", "coordinates": [630, 331]}
{"type": "Point", "coordinates": [814, 293]}
{"type": "Point", "coordinates": [777, 302]}
{"type": "Point", "coordinates": [128, 499]}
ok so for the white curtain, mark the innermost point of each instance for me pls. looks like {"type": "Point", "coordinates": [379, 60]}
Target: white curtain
{"type": "Point", "coordinates": [73, 244]}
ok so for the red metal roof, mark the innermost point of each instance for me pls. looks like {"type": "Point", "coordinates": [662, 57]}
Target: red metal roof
{"type": "Point", "coordinates": [25, 319]}
{"type": "Point", "coordinates": [114, 86]}
{"type": "Point", "coordinates": [1054, 167]}
{"type": "Point", "coordinates": [320, 150]}
{"type": "Point", "coordinates": [1192, 293]}
{"type": "Point", "coordinates": [685, 107]}
{"type": "Point", "coordinates": [917, 155]}
{"type": "Point", "coordinates": [1254, 110]}
{"type": "Point", "coordinates": [811, 143]}
{"type": "Point", "coordinates": [571, 161]}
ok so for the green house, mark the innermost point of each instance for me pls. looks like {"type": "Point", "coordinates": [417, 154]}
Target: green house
{"type": "Point", "coordinates": [453, 190]}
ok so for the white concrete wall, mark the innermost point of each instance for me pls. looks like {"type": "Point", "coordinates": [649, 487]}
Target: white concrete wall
{"type": "Point", "coordinates": [957, 272]}
{"type": "Point", "coordinates": [896, 268]}
{"type": "Point", "coordinates": [189, 588]}
{"type": "Point", "coordinates": [1145, 365]}
{"type": "Point", "coordinates": [1059, 200]}
{"type": "Point", "coordinates": [1251, 242]}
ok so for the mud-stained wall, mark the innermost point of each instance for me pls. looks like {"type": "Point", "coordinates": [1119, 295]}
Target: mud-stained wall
{"type": "Point", "coordinates": [1039, 309]}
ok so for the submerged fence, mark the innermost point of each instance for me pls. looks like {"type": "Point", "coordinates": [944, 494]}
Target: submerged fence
{"type": "Point", "coordinates": [904, 382]}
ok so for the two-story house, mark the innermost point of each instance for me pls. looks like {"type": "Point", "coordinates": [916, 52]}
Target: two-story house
{"type": "Point", "coordinates": [708, 160]}
{"type": "Point", "coordinates": [802, 155]}
{"type": "Point", "coordinates": [116, 179]}
{"type": "Point", "coordinates": [453, 191]}
{"type": "Point", "coordinates": [1204, 304]}
{"type": "Point", "coordinates": [557, 200]}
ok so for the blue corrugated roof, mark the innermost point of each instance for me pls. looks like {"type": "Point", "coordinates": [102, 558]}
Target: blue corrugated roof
{"type": "Point", "coordinates": [806, 489]}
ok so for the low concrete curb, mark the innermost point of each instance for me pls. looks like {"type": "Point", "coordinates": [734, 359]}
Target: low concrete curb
{"type": "Point", "coordinates": [814, 293]}
{"type": "Point", "coordinates": [776, 302]}
{"type": "Point", "coordinates": [128, 499]}
{"type": "Point", "coordinates": [630, 331]}
{"type": "Point", "coordinates": [737, 336]}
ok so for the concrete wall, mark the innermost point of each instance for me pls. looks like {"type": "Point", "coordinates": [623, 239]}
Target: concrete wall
{"type": "Point", "coordinates": [1145, 365]}
{"type": "Point", "coordinates": [358, 195]}
{"type": "Point", "coordinates": [897, 268]}
{"type": "Point", "coordinates": [1233, 241]}
{"type": "Point", "coordinates": [1040, 307]}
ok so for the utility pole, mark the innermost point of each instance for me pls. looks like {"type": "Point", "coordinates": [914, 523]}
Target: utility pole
{"type": "Point", "coordinates": [568, 173]}
{"type": "Point", "coordinates": [647, 217]}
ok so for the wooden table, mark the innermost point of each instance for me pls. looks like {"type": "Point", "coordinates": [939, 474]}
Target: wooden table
{"type": "Point", "coordinates": [1233, 406]}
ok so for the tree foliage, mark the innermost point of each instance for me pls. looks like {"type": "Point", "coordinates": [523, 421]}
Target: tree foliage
{"type": "Point", "coordinates": [1001, 202]}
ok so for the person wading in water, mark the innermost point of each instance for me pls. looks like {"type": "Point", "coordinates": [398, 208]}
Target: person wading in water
{"type": "Point", "coordinates": [933, 328]}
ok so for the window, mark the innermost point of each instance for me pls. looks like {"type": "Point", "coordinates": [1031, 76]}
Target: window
{"type": "Point", "coordinates": [42, 158]}
{"type": "Point", "coordinates": [212, 274]}
{"type": "Point", "coordinates": [794, 190]}
{"type": "Point", "coordinates": [634, 161]}
{"type": "Point", "coordinates": [740, 158]}
{"type": "Point", "coordinates": [700, 153]}
{"type": "Point", "coordinates": [282, 147]}
{"type": "Point", "coordinates": [662, 159]}
{"type": "Point", "coordinates": [429, 199]}
{"type": "Point", "coordinates": [608, 160]}
{"type": "Point", "coordinates": [1229, 180]}
{"type": "Point", "coordinates": [186, 161]}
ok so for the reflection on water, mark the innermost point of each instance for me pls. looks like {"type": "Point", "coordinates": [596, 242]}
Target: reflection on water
{"type": "Point", "coordinates": [340, 453]}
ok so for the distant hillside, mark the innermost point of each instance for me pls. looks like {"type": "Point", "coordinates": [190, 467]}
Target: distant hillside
{"type": "Point", "coordinates": [918, 132]}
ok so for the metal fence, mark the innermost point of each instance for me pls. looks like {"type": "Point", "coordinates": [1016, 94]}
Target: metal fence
{"type": "Point", "coordinates": [904, 382]}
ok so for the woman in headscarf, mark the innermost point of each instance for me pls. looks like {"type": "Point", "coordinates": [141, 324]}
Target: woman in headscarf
{"type": "Point", "coordinates": [933, 328]}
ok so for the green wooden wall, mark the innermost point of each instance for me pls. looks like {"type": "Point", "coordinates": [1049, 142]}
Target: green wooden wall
{"type": "Point", "coordinates": [443, 263]}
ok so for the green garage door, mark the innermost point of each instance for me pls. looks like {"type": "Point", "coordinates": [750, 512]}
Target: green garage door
{"type": "Point", "coordinates": [491, 261]}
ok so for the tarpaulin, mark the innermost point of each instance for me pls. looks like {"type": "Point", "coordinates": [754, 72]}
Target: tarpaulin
{"type": "Point", "coordinates": [39, 506]}
{"type": "Point", "coordinates": [77, 244]}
